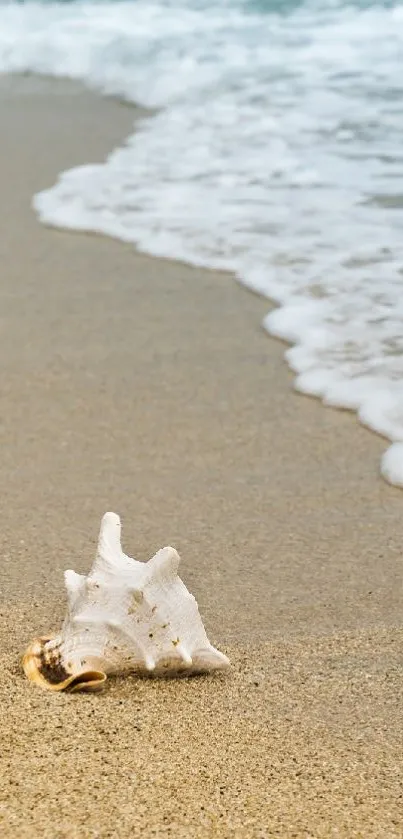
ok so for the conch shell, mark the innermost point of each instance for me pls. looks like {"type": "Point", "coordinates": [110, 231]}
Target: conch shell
{"type": "Point", "coordinates": [124, 616]}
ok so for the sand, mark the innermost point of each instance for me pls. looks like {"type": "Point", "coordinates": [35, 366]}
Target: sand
{"type": "Point", "coordinates": [148, 387]}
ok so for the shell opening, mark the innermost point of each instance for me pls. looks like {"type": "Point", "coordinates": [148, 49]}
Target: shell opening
{"type": "Point", "coordinates": [43, 665]}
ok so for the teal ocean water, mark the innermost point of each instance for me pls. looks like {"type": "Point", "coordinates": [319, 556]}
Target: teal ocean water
{"type": "Point", "coordinates": [275, 152]}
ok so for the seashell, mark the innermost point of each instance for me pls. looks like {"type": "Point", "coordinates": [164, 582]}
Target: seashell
{"type": "Point", "coordinates": [124, 616]}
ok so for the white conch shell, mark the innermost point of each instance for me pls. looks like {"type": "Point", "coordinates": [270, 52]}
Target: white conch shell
{"type": "Point", "coordinates": [124, 616]}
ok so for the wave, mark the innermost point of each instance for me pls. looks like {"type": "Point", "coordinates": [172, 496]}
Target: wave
{"type": "Point", "coordinates": [275, 153]}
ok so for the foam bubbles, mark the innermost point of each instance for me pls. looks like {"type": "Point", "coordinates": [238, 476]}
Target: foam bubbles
{"type": "Point", "coordinates": [392, 464]}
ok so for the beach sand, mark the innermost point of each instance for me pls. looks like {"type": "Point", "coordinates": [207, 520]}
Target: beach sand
{"type": "Point", "coordinates": [149, 388]}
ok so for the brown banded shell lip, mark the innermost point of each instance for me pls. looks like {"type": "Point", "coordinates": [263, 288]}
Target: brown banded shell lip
{"type": "Point", "coordinates": [52, 675]}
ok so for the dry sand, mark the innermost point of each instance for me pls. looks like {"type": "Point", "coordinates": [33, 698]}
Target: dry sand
{"type": "Point", "coordinates": [146, 387]}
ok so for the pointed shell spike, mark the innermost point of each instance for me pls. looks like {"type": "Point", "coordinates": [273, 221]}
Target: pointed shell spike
{"type": "Point", "coordinates": [164, 564]}
{"type": "Point", "coordinates": [186, 658]}
{"type": "Point", "coordinates": [74, 585]}
{"type": "Point", "coordinates": [125, 616]}
{"type": "Point", "coordinates": [149, 662]}
{"type": "Point", "coordinates": [109, 545]}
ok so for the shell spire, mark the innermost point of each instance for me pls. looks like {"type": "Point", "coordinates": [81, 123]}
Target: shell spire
{"type": "Point", "coordinates": [125, 616]}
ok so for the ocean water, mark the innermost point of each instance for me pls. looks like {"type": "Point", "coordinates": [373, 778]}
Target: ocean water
{"type": "Point", "coordinates": [275, 151]}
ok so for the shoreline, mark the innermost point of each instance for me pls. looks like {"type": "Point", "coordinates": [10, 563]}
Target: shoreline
{"type": "Point", "coordinates": [145, 386]}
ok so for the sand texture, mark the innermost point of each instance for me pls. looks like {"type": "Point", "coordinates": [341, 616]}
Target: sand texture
{"type": "Point", "coordinates": [147, 387]}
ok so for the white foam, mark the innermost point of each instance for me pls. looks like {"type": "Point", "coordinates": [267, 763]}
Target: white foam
{"type": "Point", "coordinates": [392, 464]}
{"type": "Point", "coordinates": [276, 154]}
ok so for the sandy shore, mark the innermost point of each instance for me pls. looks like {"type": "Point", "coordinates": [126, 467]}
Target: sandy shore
{"type": "Point", "coordinates": [146, 387]}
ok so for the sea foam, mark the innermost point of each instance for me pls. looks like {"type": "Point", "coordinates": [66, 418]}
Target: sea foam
{"type": "Point", "coordinates": [275, 153]}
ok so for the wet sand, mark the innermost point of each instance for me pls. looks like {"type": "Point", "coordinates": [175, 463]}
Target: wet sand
{"type": "Point", "coordinates": [148, 387]}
